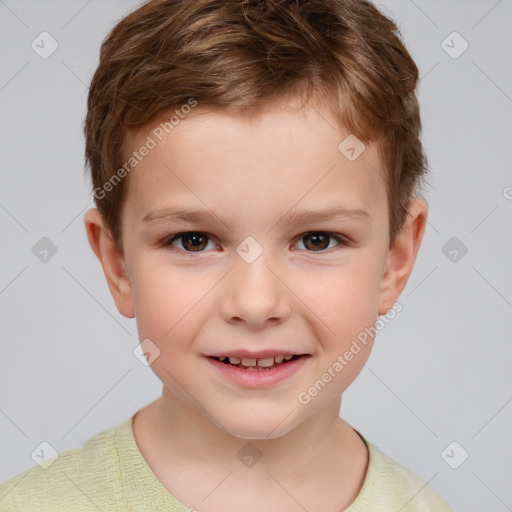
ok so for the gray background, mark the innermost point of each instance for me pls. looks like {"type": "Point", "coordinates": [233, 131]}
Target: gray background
{"type": "Point", "coordinates": [440, 371]}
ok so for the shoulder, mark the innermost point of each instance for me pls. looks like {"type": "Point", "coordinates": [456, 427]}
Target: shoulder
{"type": "Point", "coordinates": [78, 479]}
{"type": "Point", "coordinates": [388, 487]}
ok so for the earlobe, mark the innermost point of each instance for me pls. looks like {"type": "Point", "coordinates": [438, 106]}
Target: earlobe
{"type": "Point", "coordinates": [111, 260]}
{"type": "Point", "coordinates": [402, 255]}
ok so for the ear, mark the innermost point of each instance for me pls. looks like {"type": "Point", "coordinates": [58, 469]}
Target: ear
{"type": "Point", "coordinates": [111, 260]}
{"type": "Point", "coordinates": [402, 255]}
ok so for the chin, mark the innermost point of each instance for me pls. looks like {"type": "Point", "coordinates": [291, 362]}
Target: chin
{"type": "Point", "coordinates": [255, 426]}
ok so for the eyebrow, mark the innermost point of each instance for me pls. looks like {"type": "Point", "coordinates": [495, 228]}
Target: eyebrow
{"type": "Point", "coordinates": [335, 212]}
{"type": "Point", "coordinates": [164, 215]}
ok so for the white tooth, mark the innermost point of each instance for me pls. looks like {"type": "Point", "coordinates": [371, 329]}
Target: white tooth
{"type": "Point", "coordinates": [279, 359]}
{"type": "Point", "coordinates": [221, 358]}
{"type": "Point", "coordinates": [266, 363]}
{"type": "Point", "coordinates": [287, 358]}
{"type": "Point", "coordinates": [248, 362]}
{"type": "Point", "coordinates": [234, 360]}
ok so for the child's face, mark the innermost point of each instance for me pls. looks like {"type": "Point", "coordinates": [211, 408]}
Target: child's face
{"type": "Point", "coordinates": [302, 295]}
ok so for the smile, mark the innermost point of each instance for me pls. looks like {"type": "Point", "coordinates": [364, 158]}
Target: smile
{"type": "Point", "coordinates": [248, 363]}
{"type": "Point", "coordinates": [258, 373]}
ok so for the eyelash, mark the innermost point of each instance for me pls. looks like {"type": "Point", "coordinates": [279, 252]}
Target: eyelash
{"type": "Point", "coordinates": [342, 241]}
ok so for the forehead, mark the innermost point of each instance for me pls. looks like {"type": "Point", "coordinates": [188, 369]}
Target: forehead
{"type": "Point", "coordinates": [254, 163]}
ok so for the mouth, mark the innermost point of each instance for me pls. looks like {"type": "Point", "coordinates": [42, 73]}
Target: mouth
{"type": "Point", "coordinates": [261, 364]}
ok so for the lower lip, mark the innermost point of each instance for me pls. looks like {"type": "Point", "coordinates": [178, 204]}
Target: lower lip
{"type": "Point", "coordinates": [259, 378]}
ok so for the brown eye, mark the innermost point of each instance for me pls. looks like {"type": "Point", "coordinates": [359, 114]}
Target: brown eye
{"type": "Point", "coordinates": [191, 242]}
{"type": "Point", "coordinates": [317, 241]}
{"type": "Point", "coordinates": [194, 242]}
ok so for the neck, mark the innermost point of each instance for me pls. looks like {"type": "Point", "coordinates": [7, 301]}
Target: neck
{"type": "Point", "coordinates": [323, 451]}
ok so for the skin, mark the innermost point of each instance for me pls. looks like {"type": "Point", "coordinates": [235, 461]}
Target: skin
{"type": "Point", "coordinates": [251, 170]}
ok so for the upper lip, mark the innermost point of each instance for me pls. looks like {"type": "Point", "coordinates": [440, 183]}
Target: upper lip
{"type": "Point", "coordinates": [262, 354]}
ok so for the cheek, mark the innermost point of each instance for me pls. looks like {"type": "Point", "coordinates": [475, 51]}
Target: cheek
{"type": "Point", "coordinates": [344, 300]}
{"type": "Point", "coordinates": [170, 308]}
{"type": "Point", "coordinates": [344, 303]}
{"type": "Point", "coordinates": [167, 303]}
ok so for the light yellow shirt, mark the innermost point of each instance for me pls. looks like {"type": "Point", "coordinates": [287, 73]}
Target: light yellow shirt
{"type": "Point", "coordinates": [110, 474]}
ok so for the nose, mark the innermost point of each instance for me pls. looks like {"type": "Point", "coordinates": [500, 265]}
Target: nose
{"type": "Point", "coordinates": [255, 294]}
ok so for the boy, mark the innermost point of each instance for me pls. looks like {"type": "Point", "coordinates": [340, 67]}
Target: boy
{"type": "Point", "coordinates": [255, 168]}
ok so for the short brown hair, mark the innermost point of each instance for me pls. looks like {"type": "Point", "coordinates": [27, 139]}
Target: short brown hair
{"type": "Point", "coordinates": [238, 54]}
